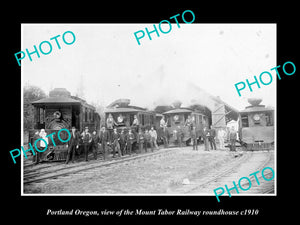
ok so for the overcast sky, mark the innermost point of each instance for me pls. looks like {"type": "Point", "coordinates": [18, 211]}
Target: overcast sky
{"type": "Point", "coordinates": [107, 61]}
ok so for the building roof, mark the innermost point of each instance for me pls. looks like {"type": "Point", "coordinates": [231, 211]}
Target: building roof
{"type": "Point", "coordinates": [57, 100]}
{"type": "Point", "coordinates": [121, 110]}
{"type": "Point", "coordinates": [259, 108]}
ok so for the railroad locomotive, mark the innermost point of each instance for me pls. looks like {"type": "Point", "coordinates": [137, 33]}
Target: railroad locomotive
{"type": "Point", "coordinates": [61, 110]}
{"type": "Point", "coordinates": [180, 122]}
{"type": "Point", "coordinates": [256, 126]}
{"type": "Point", "coordinates": [121, 115]}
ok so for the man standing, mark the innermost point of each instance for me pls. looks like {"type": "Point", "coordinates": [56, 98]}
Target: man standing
{"type": "Point", "coordinates": [135, 123]}
{"type": "Point", "coordinates": [140, 140]}
{"type": "Point", "coordinates": [86, 139]}
{"type": "Point", "coordinates": [205, 137]}
{"type": "Point", "coordinates": [122, 141]}
{"type": "Point", "coordinates": [179, 136]}
{"type": "Point", "coordinates": [115, 142]}
{"type": "Point", "coordinates": [73, 144]}
{"type": "Point", "coordinates": [232, 138]}
{"type": "Point", "coordinates": [221, 135]}
{"type": "Point", "coordinates": [147, 140]}
{"type": "Point", "coordinates": [194, 138]}
{"type": "Point", "coordinates": [189, 123]}
{"type": "Point", "coordinates": [95, 144]}
{"type": "Point", "coordinates": [42, 145]}
{"type": "Point", "coordinates": [163, 127]}
{"type": "Point", "coordinates": [212, 138]}
{"type": "Point", "coordinates": [104, 139]}
{"type": "Point", "coordinates": [34, 138]}
{"type": "Point", "coordinates": [153, 135]}
{"type": "Point", "coordinates": [110, 122]}
{"type": "Point", "coordinates": [129, 141]}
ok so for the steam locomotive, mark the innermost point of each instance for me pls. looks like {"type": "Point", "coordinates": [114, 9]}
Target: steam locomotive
{"type": "Point", "coordinates": [61, 110]}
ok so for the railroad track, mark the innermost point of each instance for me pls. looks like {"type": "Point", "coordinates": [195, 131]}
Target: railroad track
{"type": "Point", "coordinates": [41, 175]}
{"type": "Point", "coordinates": [231, 173]}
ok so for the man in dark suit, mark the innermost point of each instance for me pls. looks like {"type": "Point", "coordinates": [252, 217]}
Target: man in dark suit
{"type": "Point", "coordinates": [129, 141]}
{"type": "Point", "coordinates": [72, 145]}
{"type": "Point", "coordinates": [104, 139]}
{"type": "Point", "coordinates": [86, 139]}
{"type": "Point", "coordinates": [194, 138]}
{"type": "Point", "coordinates": [211, 138]}
{"type": "Point", "coordinates": [94, 144]}
{"type": "Point", "coordinates": [205, 136]}
{"type": "Point", "coordinates": [232, 138]}
{"type": "Point", "coordinates": [115, 142]}
{"type": "Point", "coordinates": [122, 142]}
{"type": "Point", "coordinates": [140, 140]}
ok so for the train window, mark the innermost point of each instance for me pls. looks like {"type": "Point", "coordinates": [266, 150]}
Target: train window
{"type": "Point", "coordinates": [185, 116]}
{"type": "Point", "coordinates": [92, 115]}
{"type": "Point", "coordinates": [131, 119]}
{"type": "Point", "coordinates": [245, 121]}
{"type": "Point", "coordinates": [85, 115]}
{"type": "Point", "coordinates": [151, 119]}
{"type": "Point", "coordinates": [168, 121]}
{"type": "Point", "coordinates": [147, 119]}
{"type": "Point", "coordinates": [142, 119]}
{"type": "Point", "coordinates": [42, 115]}
{"type": "Point", "coordinates": [269, 119]}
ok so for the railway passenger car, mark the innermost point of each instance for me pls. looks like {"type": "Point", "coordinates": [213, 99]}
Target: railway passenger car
{"type": "Point", "coordinates": [181, 120]}
{"type": "Point", "coordinates": [256, 126]}
{"type": "Point", "coordinates": [61, 110]}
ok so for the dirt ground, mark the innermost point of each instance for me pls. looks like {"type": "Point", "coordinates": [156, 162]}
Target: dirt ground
{"type": "Point", "coordinates": [151, 176]}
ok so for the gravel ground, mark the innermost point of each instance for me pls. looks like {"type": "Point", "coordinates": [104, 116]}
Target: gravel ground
{"type": "Point", "coordinates": [155, 175]}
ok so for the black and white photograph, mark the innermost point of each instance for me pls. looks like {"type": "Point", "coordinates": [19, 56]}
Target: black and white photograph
{"type": "Point", "coordinates": [131, 109]}
{"type": "Point", "coordinates": [134, 114]}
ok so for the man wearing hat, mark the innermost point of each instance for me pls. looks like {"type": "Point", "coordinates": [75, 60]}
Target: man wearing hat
{"type": "Point", "coordinates": [115, 143]}
{"type": "Point", "coordinates": [73, 143]}
{"type": "Point", "coordinates": [129, 141]}
{"type": "Point", "coordinates": [104, 139]}
{"type": "Point", "coordinates": [86, 138]}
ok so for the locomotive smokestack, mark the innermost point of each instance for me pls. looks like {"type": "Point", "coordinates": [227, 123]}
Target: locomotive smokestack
{"type": "Point", "coordinates": [177, 104]}
{"type": "Point", "coordinates": [254, 101]}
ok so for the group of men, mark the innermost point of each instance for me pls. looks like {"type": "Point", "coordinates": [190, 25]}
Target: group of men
{"type": "Point", "coordinates": [209, 136]}
{"type": "Point", "coordinates": [120, 142]}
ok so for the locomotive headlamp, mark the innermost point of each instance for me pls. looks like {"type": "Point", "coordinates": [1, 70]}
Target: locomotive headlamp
{"type": "Point", "coordinates": [57, 114]}
{"type": "Point", "coordinates": [256, 117]}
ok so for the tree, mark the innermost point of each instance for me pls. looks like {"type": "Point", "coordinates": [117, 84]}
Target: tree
{"type": "Point", "coordinates": [30, 94]}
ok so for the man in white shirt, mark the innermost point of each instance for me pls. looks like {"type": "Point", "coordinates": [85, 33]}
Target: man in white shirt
{"type": "Point", "coordinates": [153, 135]}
